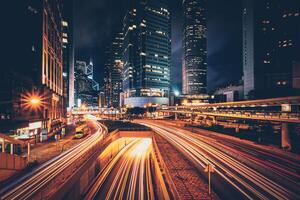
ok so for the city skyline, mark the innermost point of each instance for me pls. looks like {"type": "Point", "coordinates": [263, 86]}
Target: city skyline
{"type": "Point", "coordinates": [91, 105]}
{"type": "Point", "coordinates": [91, 40]}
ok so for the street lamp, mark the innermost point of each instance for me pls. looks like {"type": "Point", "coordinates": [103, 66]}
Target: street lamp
{"type": "Point", "coordinates": [35, 101]}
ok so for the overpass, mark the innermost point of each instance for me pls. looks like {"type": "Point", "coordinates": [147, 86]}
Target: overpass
{"type": "Point", "coordinates": [277, 109]}
{"type": "Point", "coordinates": [239, 115]}
{"type": "Point", "coordinates": [285, 111]}
{"type": "Point", "coordinates": [94, 111]}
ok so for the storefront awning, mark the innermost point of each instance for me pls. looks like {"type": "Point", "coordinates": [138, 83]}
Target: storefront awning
{"type": "Point", "coordinates": [11, 140]}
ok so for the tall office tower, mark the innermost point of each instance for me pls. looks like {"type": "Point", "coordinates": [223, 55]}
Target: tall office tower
{"type": "Point", "coordinates": [271, 46]}
{"type": "Point", "coordinates": [194, 66]}
{"type": "Point", "coordinates": [86, 89]}
{"type": "Point", "coordinates": [33, 78]}
{"type": "Point", "coordinates": [146, 53]}
{"type": "Point", "coordinates": [85, 71]}
{"type": "Point", "coordinates": [113, 72]}
{"type": "Point", "coordinates": [90, 69]}
{"type": "Point", "coordinates": [107, 75]}
{"type": "Point", "coordinates": [68, 53]}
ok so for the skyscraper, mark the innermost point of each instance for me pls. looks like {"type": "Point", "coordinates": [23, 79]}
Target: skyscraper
{"type": "Point", "coordinates": [194, 65]}
{"type": "Point", "coordinates": [146, 53]}
{"type": "Point", "coordinates": [86, 88]}
{"type": "Point", "coordinates": [68, 54]}
{"type": "Point", "coordinates": [271, 45]}
{"type": "Point", "coordinates": [113, 71]}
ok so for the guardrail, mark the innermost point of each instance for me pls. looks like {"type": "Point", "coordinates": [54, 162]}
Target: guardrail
{"type": "Point", "coordinates": [265, 116]}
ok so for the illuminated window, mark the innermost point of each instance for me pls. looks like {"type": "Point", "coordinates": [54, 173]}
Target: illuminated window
{"type": "Point", "coordinates": [64, 23]}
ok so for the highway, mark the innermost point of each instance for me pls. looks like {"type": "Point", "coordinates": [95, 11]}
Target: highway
{"type": "Point", "coordinates": [128, 175]}
{"type": "Point", "coordinates": [29, 185]}
{"type": "Point", "coordinates": [242, 170]}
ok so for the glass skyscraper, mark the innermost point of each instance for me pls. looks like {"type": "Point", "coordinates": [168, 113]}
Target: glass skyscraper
{"type": "Point", "coordinates": [194, 65]}
{"type": "Point", "coordinates": [113, 71]}
{"type": "Point", "coordinates": [68, 54]}
{"type": "Point", "coordinates": [271, 45]}
{"type": "Point", "coordinates": [146, 53]}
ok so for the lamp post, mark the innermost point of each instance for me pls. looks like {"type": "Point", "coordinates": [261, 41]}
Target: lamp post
{"type": "Point", "coordinates": [33, 102]}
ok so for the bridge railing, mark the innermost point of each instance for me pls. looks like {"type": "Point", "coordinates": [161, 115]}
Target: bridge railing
{"type": "Point", "coordinates": [291, 116]}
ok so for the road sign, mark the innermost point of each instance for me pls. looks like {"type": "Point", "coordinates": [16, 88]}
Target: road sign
{"type": "Point", "coordinates": [209, 168]}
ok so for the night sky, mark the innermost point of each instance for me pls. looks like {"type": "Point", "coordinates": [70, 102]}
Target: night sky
{"type": "Point", "coordinates": [96, 20]}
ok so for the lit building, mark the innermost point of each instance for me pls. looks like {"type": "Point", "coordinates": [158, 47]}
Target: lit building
{"type": "Point", "coordinates": [271, 45]}
{"type": "Point", "coordinates": [113, 72]}
{"type": "Point", "coordinates": [89, 70]}
{"type": "Point", "coordinates": [33, 80]}
{"type": "Point", "coordinates": [86, 89]}
{"type": "Point", "coordinates": [146, 53]}
{"type": "Point", "coordinates": [101, 100]}
{"type": "Point", "coordinates": [194, 65]}
{"type": "Point", "coordinates": [68, 55]}
{"type": "Point", "coordinates": [233, 92]}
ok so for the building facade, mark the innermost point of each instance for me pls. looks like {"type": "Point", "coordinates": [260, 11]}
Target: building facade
{"type": "Point", "coordinates": [86, 88]}
{"type": "Point", "coordinates": [113, 71]}
{"type": "Point", "coordinates": [146, 53]}
{"type": "Point", "coordinates": [33, 80]}
{"type": "Point", "coordinates": [234, 92]}
{"type": "Point", "coordinates": [271, 45]}
{"type": "Point", "coordinates": [68, 54]}
{"type": "Point", "coordinates": [194, 65]}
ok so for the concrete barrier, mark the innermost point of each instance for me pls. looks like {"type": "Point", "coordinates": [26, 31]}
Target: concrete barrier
{"type": "Point", "coordinates": [165, 186]}
{"type": "Point", "coordinates": [80, 176]}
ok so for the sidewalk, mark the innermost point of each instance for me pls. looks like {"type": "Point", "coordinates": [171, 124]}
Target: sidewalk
{"type": "Point", "coordinates": [45, 151]}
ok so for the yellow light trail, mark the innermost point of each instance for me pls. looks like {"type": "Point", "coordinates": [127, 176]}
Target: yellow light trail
{"type": "Point", "coordinates": [128, 175]}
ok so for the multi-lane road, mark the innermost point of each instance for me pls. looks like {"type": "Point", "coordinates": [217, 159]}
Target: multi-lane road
{"type": "Point", "coordinates": [242, 169]}
{"type": "Point", "coordinates": [30, 184]}
{"type": "Point", "coordinates": [128, 175]}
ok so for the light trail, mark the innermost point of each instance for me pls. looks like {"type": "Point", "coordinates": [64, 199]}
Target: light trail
{"type": "Point", "coordinates": [128, 176]}
{"type": "Point", "coordinates": [40, 177]}
{"type": "Point", "coordinates": [203, 150]}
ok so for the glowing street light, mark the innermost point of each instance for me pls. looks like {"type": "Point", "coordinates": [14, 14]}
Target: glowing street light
{"type": "Point", "coordinates": [35, 101]}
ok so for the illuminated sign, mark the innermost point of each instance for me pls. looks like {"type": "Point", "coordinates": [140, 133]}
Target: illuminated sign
{"type": "Point", "coordinates": [35, 125]}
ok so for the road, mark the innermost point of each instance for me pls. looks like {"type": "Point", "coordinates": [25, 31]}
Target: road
{"type": "Point", "coordinates": [29, 185]}
{"type": "Point", "coordinates": [242, 170]}
{"type": "Point", "coordinates": [128, 175]}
